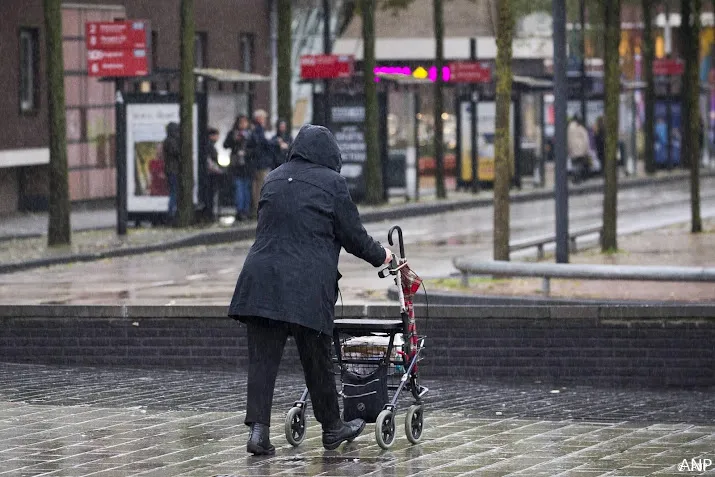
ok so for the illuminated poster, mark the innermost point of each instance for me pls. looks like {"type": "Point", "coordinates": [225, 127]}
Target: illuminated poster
{"type": "Point", "coordinates": [486, 118]}
{"type": "Point", "coordinates": [147, 189]}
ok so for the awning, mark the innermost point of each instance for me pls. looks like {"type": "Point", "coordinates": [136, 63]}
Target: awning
{"type": "Point", "coordinates": [403, 79]}
{"type": "Point", "coordinates": [230, 76]}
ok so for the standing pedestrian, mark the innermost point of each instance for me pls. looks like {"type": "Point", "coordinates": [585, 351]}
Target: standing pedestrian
{"type": "Point", "coordinates": [213, 173]}
{"type": "Point", "coordinates": [240, 168]}
{"type": "Point", "coordinates": [260, 154]}
{"type": "Point", "coordinates": [171, 151]}
{"type": "Point", "coordinates": [288, 284]}
{"type": "Point", "coordinates": [281, 142]}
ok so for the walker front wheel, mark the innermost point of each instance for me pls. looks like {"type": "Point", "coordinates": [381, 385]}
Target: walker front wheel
{"type": "Point", "coordinates": [295, 426]}
{"type": "Point", "coordinates": [414, 423]}
{"type": "Point", "coordinates": [385, 429]}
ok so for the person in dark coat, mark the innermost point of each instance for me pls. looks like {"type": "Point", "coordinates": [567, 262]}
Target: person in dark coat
{"type": "Point", "coordinates": [213, 174]}
{"type": "Point", "coordinates": [261, 157]}
{"type": "Point", "coordinates": [288, 284]}
{"type": "Point", "coordinates": [240, 168]}
{"type": "Point", "coordinates": [171, 151]}
{"type": "Point", "coordinates": [281, 142]}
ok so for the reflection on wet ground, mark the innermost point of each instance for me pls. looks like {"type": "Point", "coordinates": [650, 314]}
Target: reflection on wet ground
{"type": "Point", "coordinates": [63, 421]}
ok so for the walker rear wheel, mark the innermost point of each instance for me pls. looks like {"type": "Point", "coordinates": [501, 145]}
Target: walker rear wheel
{"type": "Point", "coordinates": [295, 426]}
{"type": "Point", "coordinates": [414, 423]}
{"type": "Point", "coordinates": [385, 429]}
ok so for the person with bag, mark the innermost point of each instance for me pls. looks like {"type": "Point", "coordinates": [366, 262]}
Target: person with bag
{"type": "Point", "coordinates": [288, 284]}
{"type": "Point", "coordinates": [240, 167]}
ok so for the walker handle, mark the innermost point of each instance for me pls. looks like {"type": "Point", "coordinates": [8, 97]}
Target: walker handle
{"type": "Point", "coordinates": [399, 237]}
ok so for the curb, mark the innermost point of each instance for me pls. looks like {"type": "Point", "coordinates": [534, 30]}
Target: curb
{"type": "Point", "coordinates": [445, 298]}
{"type": "Point", "coordinates": [391, 213]}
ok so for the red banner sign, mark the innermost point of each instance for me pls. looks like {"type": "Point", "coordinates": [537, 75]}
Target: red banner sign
{"type": "Point", "coordinates": [668, 67]}
{"type": "Point", "coordinates": [122, 35]}
{"type": "Point", "coordinates": [469, 72]}
{"type": "Point", "coordinates": [326, 66]}
{"type": "Point", "coordinates": [117, 63]}
{"type": "Point", "coordinates": [117, 48]}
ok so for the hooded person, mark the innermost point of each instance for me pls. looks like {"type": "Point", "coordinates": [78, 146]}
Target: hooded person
{"type": "Point", "coordinates": [171, 151]}
{"type": "Point", "coordinates": [288, 283]}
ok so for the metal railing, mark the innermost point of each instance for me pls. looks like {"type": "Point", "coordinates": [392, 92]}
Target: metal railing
{"type": "Point", "coordinates": [547, 271]}
{"type": "Point", "coordinates": [540, 241]}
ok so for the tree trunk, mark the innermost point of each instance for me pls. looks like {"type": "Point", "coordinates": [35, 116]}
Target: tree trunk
{"type": "Point", "coordinates": [695, 121]}
{"type": "Point", "coordinates": [373, 170]}
{"type": "Point", "coordinates": [612, 34]}
{"type": "Point", "coordinates": [186, 98]}
{"type": "Point", "coordinates": [502, 149]}
{"type": "Point", "coordinates": [686, 49]}
{"type": "Point", "coordinates": [285, 47]}
{"type": "Point", "coordinates": [59, 230]}
{"type": "Point", "coordinates": [649, 99]}
{"type": "Point", "coordinates": [438, 15]}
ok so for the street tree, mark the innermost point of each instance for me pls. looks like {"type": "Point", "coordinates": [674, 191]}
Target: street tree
{"type": "Point", "coordinates": [186, 99]}
{"type": "Point", "coordinates": [59, 230]}
{"type": "Point", "coordinates": [502, 150]}
{"type": "Point", "coordinates": [438, 20]}
{"type": "Point", "coordinates": [373, 171]}
{"type": "Point", "coordinates": [611, 17]}
{"type": "Point", "coordinates": [284, 47]}
{"type": "Point", "coordinates": [648, 52]}
{"type": "Point", "coordinates": [693, 124]}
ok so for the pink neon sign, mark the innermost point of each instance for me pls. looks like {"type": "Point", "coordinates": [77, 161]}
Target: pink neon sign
{"type": "Point", "coordinates": [407, 71]}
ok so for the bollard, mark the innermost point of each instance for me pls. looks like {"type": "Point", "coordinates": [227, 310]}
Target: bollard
{"type": "Point", "coordinates": [465, 280]}
{"type": "Point", "coordinates": [540, 251]}
{"type": "Point", "coordinates": [546, 286]}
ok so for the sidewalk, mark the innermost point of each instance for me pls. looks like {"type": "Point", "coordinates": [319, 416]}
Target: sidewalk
{"type": "Point", "coordinates": [119, 422]}
{"type": "Point", "coordinates": [23, 242]}
{"type": "Point", "coordinates": [669, 246]}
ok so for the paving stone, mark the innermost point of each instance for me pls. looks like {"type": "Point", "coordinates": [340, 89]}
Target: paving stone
{"type": "Point", "coordinates": [101, 422]}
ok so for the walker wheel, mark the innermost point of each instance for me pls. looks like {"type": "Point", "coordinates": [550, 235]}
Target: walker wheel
{"type": "Point", "coordinates": [385, 429]}
{"type": "Point", "coordinates": [414, 423]}
{"type": "Point", "coordinates": [295, 426]}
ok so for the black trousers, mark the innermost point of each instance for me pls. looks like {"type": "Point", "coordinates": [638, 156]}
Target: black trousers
{"type": "Point", "coordinates": [266, 340]}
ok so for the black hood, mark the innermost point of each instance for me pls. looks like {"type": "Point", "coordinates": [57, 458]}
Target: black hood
{"type": "Point", "coordinates": [172, 129]}
{"type": "Point", "coordinates": [316, 144]}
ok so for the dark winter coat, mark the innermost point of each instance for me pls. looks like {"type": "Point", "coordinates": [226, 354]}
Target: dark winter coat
{"type": "Point", "coordinates": [240, 165]}
{"type": "Point", "coordinates": [280, 154]}
{"type": "Point", "coordinates": [260, 150]}
{"type": "Point", "coordinates": [305, 216]}
{"type": "Point", "coordinates": [171, 149]}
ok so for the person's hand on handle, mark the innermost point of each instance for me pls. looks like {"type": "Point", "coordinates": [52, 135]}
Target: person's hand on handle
{"type": "Point", "coordinates": [388, 255]}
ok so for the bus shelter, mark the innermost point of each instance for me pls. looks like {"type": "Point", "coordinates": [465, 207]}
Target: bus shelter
{"type": "Point", "coordinates": [144, 108]}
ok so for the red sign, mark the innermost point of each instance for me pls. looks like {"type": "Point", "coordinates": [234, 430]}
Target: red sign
{"type": "Point", "coordinates": [117, 48]}
{"type": "Point", "coordinates": [668, 67]}
{"type": "Point", "coordinates": [469, 72]}
{"type": "Point", "coordinates": [326, 66]}
{"type": "Point", "coordinates": [124, 35]}
{"type": "Point", "coordinates": [117, 63]}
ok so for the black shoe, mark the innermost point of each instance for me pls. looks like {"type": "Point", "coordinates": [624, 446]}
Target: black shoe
{"type": "Point", "coordinates": [343, 431]}
{"type": "Point", "coordinates": [258, 440]}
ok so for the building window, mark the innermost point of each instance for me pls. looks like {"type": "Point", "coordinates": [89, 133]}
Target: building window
{"type": "Point", "coordinates": [200, 41]}
{"type": "Point", "coordinates": [29, 53]}
{"type": "Point", "coordinates": [246, 49]}
{"type": "Point", "coordinates": [154, 49]}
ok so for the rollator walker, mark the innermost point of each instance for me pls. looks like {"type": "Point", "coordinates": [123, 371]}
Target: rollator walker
{"type": "Point", "coordinates": [373, 357]}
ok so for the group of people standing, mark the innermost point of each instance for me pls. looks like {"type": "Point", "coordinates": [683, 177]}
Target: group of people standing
{"type": "Point", "coordinates": [253, 156]}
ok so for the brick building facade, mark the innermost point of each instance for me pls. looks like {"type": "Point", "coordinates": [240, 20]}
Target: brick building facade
{"type": "Point", "coordinates": [230, 34]}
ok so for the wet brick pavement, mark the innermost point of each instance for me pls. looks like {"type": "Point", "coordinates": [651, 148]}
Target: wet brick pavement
{"type": "Point", "coordinates": [64, 421]}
